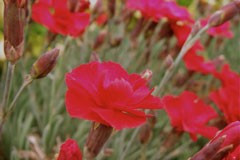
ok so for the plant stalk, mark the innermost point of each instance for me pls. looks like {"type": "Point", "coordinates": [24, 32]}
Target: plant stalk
{"type": "Point", "coordinates": [9, 110]}
{"type": "Point", "coordinates": [8, 82]}
{"type": "Point", "coordinates": [188, 44]}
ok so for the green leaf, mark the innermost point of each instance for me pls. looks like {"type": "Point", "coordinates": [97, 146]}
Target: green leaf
{"type": "Point", "coordinates": [184, 2]}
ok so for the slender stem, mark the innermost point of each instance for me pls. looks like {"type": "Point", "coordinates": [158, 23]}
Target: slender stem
{"type": "Point", "coordinates": [188, 44]}
{"type": "Point", "coordinates": [134, 135]}
{"type": "Point", "coordinates": [6, 114]}
{"type": "Point", "coordinates": [26, 82]}
{"type": "Point", "coordinates": [10, 71]}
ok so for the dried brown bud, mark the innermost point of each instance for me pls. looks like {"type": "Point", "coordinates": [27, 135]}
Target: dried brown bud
{"type": "Point", "coordinates": [15, 15]}
{"type": "Point", "coordinates": [44, 64]}
{"type": "Point", "coordinates": [97, 137]}
{"type": "Point", "coordinates": [224, 14]}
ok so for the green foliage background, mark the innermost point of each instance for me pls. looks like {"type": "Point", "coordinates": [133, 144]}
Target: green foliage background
{"type": "Point", "coordinates": [40, 113]}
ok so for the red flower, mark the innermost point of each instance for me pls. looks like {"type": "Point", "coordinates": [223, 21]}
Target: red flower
{"type": "Point", "coordinates": [102, 19]}
{"type": "Point", "coordinates": [174, 13]}
{"type": "Point", "coordinates": [57, 17]}
{"type": "Point", "coordinates": [149, 8]}
{"type": "Point", "coordinates": [106, 93]}
{"type": "Point", "coordinates": [227, 98]}
{"type": "Point", "coordinates": [195, 62]}
{"type": "Point", "coordinates": [156, 9]}
{"type": "Point", "coordinates": [235, 155]}
{"type": "Point", "coordinates": [223, 30]}
{"type": "Point", "coordinates": [232, 133]}
{"type": "Point", "coordinates": [189, 113]}
{"type": "Point", "coordinates": [70, 151]}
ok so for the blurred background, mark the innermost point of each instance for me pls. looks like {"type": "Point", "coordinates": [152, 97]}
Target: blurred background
{"type": "Point", "coordinates": [40, 122]}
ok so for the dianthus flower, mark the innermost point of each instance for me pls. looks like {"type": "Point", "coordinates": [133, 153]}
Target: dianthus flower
{"type": "Point", "coordinates": [227, 97]}
{"type": "Point", "coordinates": [70, 151]}
{"type": "Point", "coordinates": [107, 94]}
{"type": "Point", "coordinates": [190, 114]}
{"type": "Point", "coordinates": [61, 18]}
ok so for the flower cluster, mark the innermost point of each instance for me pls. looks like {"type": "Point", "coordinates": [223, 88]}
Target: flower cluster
{"type": "Point", "coordinates": [59, 17]}
{"type": "Point", "coordinates": [227, 98]}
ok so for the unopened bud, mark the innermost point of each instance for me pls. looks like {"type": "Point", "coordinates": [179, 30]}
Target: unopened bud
{"type": "Point", "coordinates": [196, 28]}
{"type": "Point", "coordinates": [111, 7]}
{"type": "Point", "coordinates": [209, 150]}
{"type": "Point", "coordinates": [146, 130]}
{"type": "Point", "coordinates": [147, 74]}
{"type": "Point", "coordinates": [145, 133]}
{"type": "Point", "coordinates": [96, 139]}
{"type": "Point", "coordinates": [222, 153]}
{"type": "Point", "coordinates": [94, 57]}
{"type": "Point", "coordinates": [116, 41]}
{"type": "Point", "coordinates": [15, 15]}
{"type": "Point", "coordinates": [44, 64]}
{"type": "Point", "coordinates": [168, 62]}
{"type": "Point", "coordinates": [100, 39]}
{"type": "Point", "coordinates": [225, 14]}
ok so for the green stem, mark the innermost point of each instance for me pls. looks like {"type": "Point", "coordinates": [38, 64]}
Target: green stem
{"type": "Point", "coordinates": [188, 44]}
{"type": "Point", "coordinates": [7, 113]}
{"type": "Point", "coordinates": [26, 82]}
{"type": "Point", "coordinates": [134, 135]}
{"type": "Point", "coordinates": [9, 77]}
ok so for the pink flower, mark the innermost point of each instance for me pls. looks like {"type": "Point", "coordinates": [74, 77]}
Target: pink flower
{"type": "Point", "coordinates": [57, 17]}
{"type": "Point", "coordinates": [149, 8]}
{"type": "Point", "coordinates": [156, 9]}
{"type": "Point", "coordinates": [223, 30]}
{"type": "Point", "coordinates": [174, 13]}
{"type": "Point", "coordinates": [195, 62]}
{"type": "Point", "coordinates": [106, 93]}
{"type": "Point", "coordinates": [70, 151]}
{"type": "Point", "coordinates": [189, 113]}
{"type": "Point", "coordinates": [227, 98]}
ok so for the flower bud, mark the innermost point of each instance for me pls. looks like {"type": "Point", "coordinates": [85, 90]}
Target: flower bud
{"type": "Point", "coordinates": [100, 39]}
{"type": "Point", "coordinates": [145, 133]}
{"type": "Point", "coordinates": [225, 14]}
{"type": "Point", "coordinates": [168, 62]}
{"type": "Point", "coordinates": [147, 74]}
{"type": "Point", "coordinates": [97, 137]}
{"type": "Point", "coordinates": [209, 150]}
{"type": "Point", "coordinates": [94, 57]}
{"type": "Point", "coordinates": [224, 142]}
{"type": "Point", "coordinates": [15, 15]}
{"type": "Point", "coordinates": [44, 64]}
